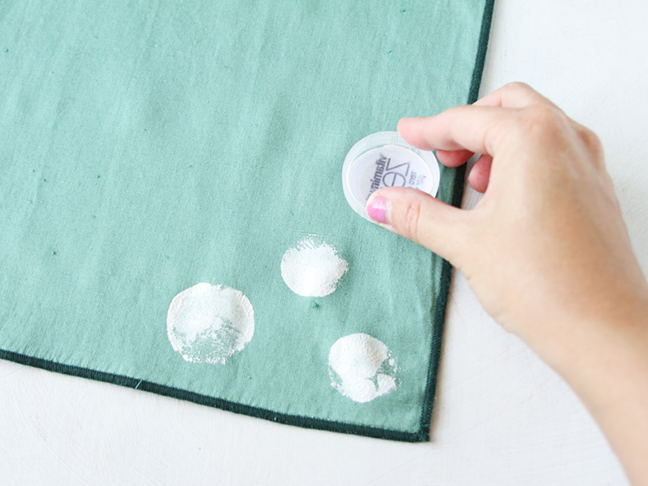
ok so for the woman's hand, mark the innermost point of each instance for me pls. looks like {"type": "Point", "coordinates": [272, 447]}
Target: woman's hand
{"type": "Point", "coordinates": [545, 250]}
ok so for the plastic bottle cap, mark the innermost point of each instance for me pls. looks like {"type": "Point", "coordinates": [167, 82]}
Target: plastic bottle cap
{"type": "Point", "coordinates": [384, 159]}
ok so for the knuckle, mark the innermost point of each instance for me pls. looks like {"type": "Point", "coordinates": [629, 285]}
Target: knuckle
{"type": "Point", "coordinates": [594, 147]}
{"type": "Point", "coordinates": [519, 86]}
{"type": "Point", "coordinates": [543, 115]}
{"type": "Point", "coordinates": [542, 121]}
{"type": "Point", "coordinates": [410, 220]}
{"type": "Point", "coordinates": [593, 142]}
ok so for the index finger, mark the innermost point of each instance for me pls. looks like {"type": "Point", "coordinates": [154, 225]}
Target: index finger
{"type": "Point", "coordinates": [474, 128]}
{"type": "Point", "coordinates": [455, 131]}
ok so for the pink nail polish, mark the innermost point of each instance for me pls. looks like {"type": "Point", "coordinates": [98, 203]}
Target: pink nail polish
{"type": "Point", "coordinates": [376, 209]}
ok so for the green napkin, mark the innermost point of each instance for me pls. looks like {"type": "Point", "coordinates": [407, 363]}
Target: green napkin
{"type": "Point", "coordinates": [159, 162]}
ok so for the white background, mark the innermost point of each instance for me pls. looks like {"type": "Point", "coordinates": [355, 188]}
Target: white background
{"type": "Point", "coordinates": [502, 417]}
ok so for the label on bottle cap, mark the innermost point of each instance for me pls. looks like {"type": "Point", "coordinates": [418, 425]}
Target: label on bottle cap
{"type": "Point", "coordinates": [384, 159]}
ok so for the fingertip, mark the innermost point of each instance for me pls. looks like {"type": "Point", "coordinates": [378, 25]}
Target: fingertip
{"type": "Point", "coordinates": [378, 208]}
{"type": "Point", "coordinates": [402, 123]}
{"type": "Point", "coordinates": [453, 158]}
{"type": "Point", "coordinates": [413, 132]}
{"type": "Point", "coordinates": [404, 127]}
{"type": "Point", "coordinates": [477, 184]}
{"type": "Point", "coordinates": [479, 176]}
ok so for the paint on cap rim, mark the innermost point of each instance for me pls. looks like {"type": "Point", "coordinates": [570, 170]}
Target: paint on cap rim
{"type": "Point", "coordinates": [384, 159]}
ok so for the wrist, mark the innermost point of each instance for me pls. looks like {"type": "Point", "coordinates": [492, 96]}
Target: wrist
{"type": "Point", "coordinates": [605, 361]}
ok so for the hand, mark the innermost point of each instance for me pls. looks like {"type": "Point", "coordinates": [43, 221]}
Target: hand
{"type": "Point", "coordinates": [545, 250]}
{"type": "Point", "coordinates": [546, 245]}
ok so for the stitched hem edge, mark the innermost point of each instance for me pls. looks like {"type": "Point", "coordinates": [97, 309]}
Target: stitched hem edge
{"type": "Point", "coordinates": [446, 271]}
{"type": "Point", "coordinates": [305, 422]}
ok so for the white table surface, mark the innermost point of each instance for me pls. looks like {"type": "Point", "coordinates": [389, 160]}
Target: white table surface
{"type": "Point", "coordinates": [502, 417]}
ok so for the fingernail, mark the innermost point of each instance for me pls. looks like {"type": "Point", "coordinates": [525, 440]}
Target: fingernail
{"type": "Point", "coordinates": [377, 209]}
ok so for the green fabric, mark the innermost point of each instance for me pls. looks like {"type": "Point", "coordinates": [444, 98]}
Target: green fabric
{"type": "Point", "coordinates": [145, 148]}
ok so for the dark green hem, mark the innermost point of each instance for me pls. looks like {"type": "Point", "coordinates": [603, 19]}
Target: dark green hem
{"type": "Point", "coordinates": [484, 33]}
{"type": "Point", "coordinates": [305, 422]}
{"type": "Point", "coordinates": [446, 271]}
{"type": "Point", "coordinates": [423, 434]}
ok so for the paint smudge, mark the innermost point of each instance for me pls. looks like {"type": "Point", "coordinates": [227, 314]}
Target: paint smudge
{"type": "Point", "coordinates": [209, 323]}
{"type": "Point", "coordinates": [362, 368]}
{"type": "Point", "coordinates": [312, 268]}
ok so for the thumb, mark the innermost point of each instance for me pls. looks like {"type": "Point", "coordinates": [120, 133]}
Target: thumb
{"type": "Point", "coordinates": [421, 218]}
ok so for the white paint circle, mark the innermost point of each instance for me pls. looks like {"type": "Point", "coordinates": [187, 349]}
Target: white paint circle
{"type": "Point", "coordinates": [361, 367]}
{"type": "Point", "coordinates": [312, 268]}
{"type": "Point", "coordinates": [209, 323]}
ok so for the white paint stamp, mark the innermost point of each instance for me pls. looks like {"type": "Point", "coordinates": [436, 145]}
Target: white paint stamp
{"type": "Point", "coordinates": [362, 368]}
{"type": "Point", "coordinates": [312, 268]}
{"type": "Point", "coordinates": [209, 323]}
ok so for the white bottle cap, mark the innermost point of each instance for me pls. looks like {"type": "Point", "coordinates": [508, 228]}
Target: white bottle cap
{"type": "Point", "coordinates": [384, 159]}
